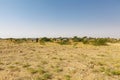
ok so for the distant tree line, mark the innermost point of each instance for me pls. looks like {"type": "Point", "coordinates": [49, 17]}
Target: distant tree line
{"type": "Point", "coordinates": [66, 41]}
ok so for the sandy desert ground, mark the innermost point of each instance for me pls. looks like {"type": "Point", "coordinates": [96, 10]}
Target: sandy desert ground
{"type": "Point", "coordinates": [32, 61]}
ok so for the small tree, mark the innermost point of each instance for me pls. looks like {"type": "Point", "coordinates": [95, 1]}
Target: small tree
{"type": "Point", "coordinates": [45, 39]}
{"type": "Point", "coordinates": [76, 39]}
{"type": "Point", "coordinates": [37, 40]}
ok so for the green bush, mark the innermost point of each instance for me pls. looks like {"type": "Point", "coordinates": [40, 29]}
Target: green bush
{"type": "Point", "coordinates": [76, 39]}
{"type": "Point", "coordinates": [85, 40]}
{"type": "Point", "coordinates": [20, 40]}
{"type": "Point", "coordinates": [64, 42]}
{"type": "Point", "coordinates": [100, 41]}
{"type": "Point", "coordinates": [45, 39]}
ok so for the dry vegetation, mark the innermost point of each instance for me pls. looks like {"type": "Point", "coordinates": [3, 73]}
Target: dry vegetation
{"type": "Point", "coordinates": [52, 61]}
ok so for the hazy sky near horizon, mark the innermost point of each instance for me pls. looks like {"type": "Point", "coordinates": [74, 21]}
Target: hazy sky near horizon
{"type": "Point", "coordinates": [55, 18]}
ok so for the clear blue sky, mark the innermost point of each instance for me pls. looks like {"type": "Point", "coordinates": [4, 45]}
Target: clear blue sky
{"type": "Point", "coordinates": [54, 18]}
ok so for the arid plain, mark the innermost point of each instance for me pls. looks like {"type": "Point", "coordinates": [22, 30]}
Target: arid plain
{"type": "Point", "coordinates": [33, 61]}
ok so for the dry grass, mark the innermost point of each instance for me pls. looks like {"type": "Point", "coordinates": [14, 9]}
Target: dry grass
{"type": "Point", "coordinates": [32, 61]}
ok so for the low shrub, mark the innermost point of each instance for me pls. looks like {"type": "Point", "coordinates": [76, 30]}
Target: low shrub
{"type": "Point", "coordinates": [100, 41]}
{"type": "Point", "coordinates": [64, 42]}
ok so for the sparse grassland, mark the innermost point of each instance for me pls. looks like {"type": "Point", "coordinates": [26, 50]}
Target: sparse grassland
{"type": "Point", "coordinates": [52, 61]}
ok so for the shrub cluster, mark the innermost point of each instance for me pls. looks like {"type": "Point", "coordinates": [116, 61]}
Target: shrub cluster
{"type": "Point", "coordinates": [68, 41]}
